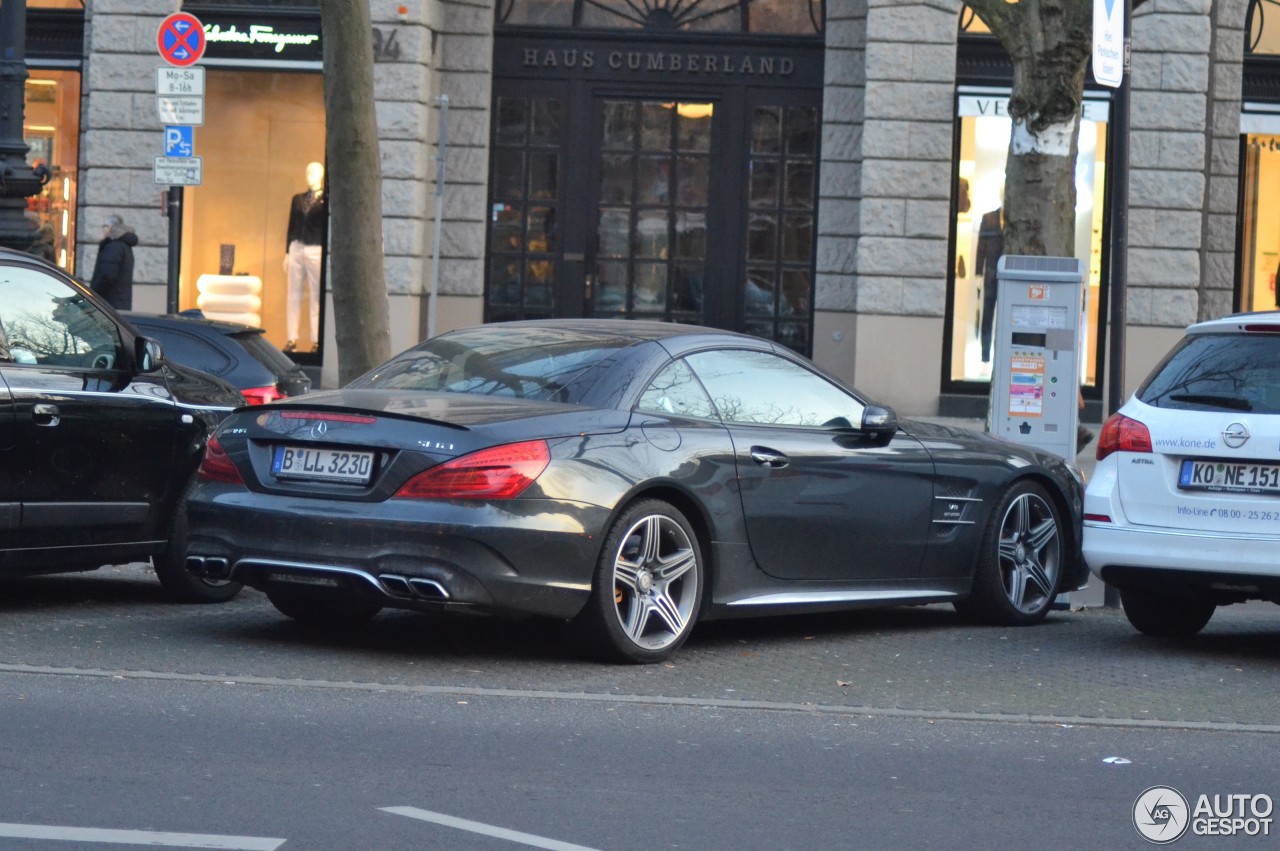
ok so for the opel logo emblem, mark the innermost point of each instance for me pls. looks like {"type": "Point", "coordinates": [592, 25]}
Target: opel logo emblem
{"type": "Point", "coordinates": [318, 430]}
{"type": "Point", "coordinates": [1235, 435]}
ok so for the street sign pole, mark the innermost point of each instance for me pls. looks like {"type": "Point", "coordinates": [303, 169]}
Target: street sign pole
{"type": "Point", "coordinates": [179, 103]}
{"type": "Point", "coordinates": [174, 205]}
{"type": "Point", "coordinates": [1112, 66]}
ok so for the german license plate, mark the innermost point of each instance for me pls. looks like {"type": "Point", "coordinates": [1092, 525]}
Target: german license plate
{"type": "Point", "coordinates": [1229, 476]}
{"type": "Point", "coordinates": [314, 464]}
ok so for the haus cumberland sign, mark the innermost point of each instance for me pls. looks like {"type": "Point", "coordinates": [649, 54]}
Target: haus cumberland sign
{"type": "Point", "coordinates": [684, 61]}
{"type": "Point", "coordinates": [659, 62]}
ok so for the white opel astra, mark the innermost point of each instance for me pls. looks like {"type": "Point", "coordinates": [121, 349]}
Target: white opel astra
{"type": "Point", "coordinates": [1182, 513]}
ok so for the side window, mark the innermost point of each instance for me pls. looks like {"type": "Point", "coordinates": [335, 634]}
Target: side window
{"type": "Point", "coordinates": [674, 390]}
{"type": "Point", "coordinates": [181, 347]}
{"type": "Point", "coordinates": [47, 322]}
{"type": "Point", "coordinates": [760, 387]}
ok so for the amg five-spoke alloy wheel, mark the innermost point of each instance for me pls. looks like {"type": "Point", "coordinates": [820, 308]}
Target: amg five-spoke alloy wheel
{"type": "Point", "coordinates": [1020, 561]}
{"type": "Point", "coordinates": [647, 586]}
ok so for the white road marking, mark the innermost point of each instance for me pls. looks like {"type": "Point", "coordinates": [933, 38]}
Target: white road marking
{"type": "Point", "coordinates": [139, 837]}
{"type": "Point", "coordinates": [485, 829]}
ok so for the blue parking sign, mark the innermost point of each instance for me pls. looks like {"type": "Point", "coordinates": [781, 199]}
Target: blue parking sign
{"type": "Point", "coordinates": [179, 141]}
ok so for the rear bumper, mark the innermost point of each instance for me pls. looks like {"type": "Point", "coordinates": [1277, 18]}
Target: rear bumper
{"type": "Point", "coordinates": [526, 556]}
{"type": "Point", "coordinates": [1173, 560]}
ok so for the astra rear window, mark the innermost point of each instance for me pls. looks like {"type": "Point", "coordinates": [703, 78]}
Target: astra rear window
{"type": "Point", "coordinates": [1218, 372]}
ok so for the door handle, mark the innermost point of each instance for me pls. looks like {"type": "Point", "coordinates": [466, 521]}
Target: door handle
{"type": "Point", "coordinates": [768, 457]}
{"type": "Point", "coordinates": [46, 415]}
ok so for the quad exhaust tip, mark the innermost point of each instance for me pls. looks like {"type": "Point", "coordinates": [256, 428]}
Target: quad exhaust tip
{"type": "Point", "coordinates": [402, 586]}
{"type": "Point", "coordinates": [209, 567]}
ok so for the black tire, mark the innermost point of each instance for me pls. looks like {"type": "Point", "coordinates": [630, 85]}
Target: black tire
{"type": "Point", "coordinates": [1165, 615]}
{"type": "Point", "coordinates": [1020, 561]}
{"type": "Point", "coordinates": [322, 608]}
{"type": "Point", "coordinates": [171, 569]}
{"type": "Point", "coordinates": [647, 588]}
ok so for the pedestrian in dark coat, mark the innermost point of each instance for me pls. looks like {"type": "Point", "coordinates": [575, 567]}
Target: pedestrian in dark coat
{"type": "Point", "coordinates": [113, 271]}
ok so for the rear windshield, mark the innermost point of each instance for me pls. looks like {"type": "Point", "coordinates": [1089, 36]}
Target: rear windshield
{"type": "Point", "coordinates": [552, 365]}
{"type": "Point", "coordinates": [1219, 372]}
{"type": "Point", "coordinates": [267, 354]}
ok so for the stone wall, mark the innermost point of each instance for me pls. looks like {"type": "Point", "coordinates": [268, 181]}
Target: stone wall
{"type": "Point", "coordinates": [120, 133]}
{"type": "Point", "coordinates": [1220, 222]}
{"type": "Point", "coordinates": [402, 90]}
{"type": "Point", "coordinates": [887, 156]}
{"type": "Point", "coordinates": [463, 71]}
{"type": "Point", "coordinates": [1169, 161]}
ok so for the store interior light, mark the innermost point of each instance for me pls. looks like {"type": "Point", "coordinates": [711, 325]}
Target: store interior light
{"type": "Point", "coordinates": [695, 110]}
{"type": "Point", "coordinates": [66, 189]}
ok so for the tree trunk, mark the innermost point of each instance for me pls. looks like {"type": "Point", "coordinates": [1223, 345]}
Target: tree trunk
{"type": "Point", "coordinates": [1049, 42]}
{"type": "Point", "coordinates": [358, 275]}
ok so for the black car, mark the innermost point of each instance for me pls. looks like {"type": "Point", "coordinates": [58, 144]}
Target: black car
{"type": "Point", "coordinates": [240, 354]}
{"type": "Point", "coordinates": [634, 477]}
{"type": "Point", "coordinates": [99, 435]}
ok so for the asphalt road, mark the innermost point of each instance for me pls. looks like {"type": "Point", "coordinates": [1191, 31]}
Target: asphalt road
{"type": "Point", "coordinates": [129, 720]}
{"type": "Point", "coordinates": [338, 768]}
{"type": "Point", "coordinates": [1082, 665]}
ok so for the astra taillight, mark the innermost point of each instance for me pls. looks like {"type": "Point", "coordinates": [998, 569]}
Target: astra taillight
{"type": "Point", "coordinates": [262, 395]}
{"type": "Point", "coordinates": [216, 464]}
{"type": "Point", "coordinates": [500, 472]}
{"type": "Point", "coordinates": [1123, 434]}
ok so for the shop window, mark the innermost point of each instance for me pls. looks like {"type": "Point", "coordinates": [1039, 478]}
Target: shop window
{"type": "Point", "coordinates": [787, 17]}
{"type": "Point", "coordinates": [1260, 225]}
{"type": "Point", "coordinates": [51, 129]}
{"type": "Point", "coordinates": [263, 148]}
{"type": "Point", "coordinates": [971, 24]}
{"type": "Point", "coordinates": [1262, 27]}
{"type": "Point", "coordinates": [984, 146]}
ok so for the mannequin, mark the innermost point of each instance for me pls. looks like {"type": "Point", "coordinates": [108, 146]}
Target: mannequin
{"type": "Point", "coordinates": [308, 220]}
{"type": "Point", "coordinates": [990, 248]}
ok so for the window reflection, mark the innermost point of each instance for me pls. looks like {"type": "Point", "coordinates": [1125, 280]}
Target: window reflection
{"type": "Point", "coordinates": [675, 391]}
{"type": "Point", "coordinates": [763, 388]}
{"type": "Point", "coordinates": [524, 238]}
{"type": "Point", "coordinates": [43, 321]}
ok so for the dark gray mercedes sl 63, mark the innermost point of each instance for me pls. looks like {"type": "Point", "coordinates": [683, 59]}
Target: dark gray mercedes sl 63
{"type": "Point", "coordinates": [630, 477]}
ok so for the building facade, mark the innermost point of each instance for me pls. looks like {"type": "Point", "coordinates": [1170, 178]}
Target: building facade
{"type": "Point", "coordinates": [813, 172]}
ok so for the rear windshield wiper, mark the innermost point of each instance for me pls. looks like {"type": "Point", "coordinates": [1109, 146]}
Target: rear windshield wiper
{"type": "Point", "coordinates": [1233, 402]}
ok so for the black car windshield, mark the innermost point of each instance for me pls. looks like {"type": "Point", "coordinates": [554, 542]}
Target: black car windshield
{"type": "Point", "coordinates": [1222, 372]}
{"type": "Point", "coordinates": [554, 365]}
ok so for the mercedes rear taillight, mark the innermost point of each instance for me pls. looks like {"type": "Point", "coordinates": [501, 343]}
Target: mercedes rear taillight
{"type": "Point", "coordinates": [500, 472]}
{"type": "Point", "coordinates": [216, 464]}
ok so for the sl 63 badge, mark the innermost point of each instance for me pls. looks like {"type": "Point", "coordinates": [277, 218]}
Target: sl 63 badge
{"type": "Point", "coordinates": [430, 444]}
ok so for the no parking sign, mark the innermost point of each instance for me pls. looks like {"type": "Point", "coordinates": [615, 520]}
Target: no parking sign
{"type": "Point", "coordinates": [180, 39]}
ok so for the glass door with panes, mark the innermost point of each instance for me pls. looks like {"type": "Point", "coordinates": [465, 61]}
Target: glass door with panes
{"type": "Point", "coordinates": [648, 252]}
{"type": "Point", "coordinates": [613, 203]}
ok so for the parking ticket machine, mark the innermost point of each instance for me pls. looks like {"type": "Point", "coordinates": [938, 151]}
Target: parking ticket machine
{"type": "Point", "coordinates": [1035, 375]}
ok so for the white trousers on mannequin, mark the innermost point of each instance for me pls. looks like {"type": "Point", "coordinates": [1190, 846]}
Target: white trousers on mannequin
{"type": "Point", "coordinates": [304, 265]}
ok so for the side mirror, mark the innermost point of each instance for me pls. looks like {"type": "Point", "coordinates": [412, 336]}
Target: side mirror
{"type": "Point", "coordinates": [146, 354]}
{"type": "Point", "coordinates": [879, 422]}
